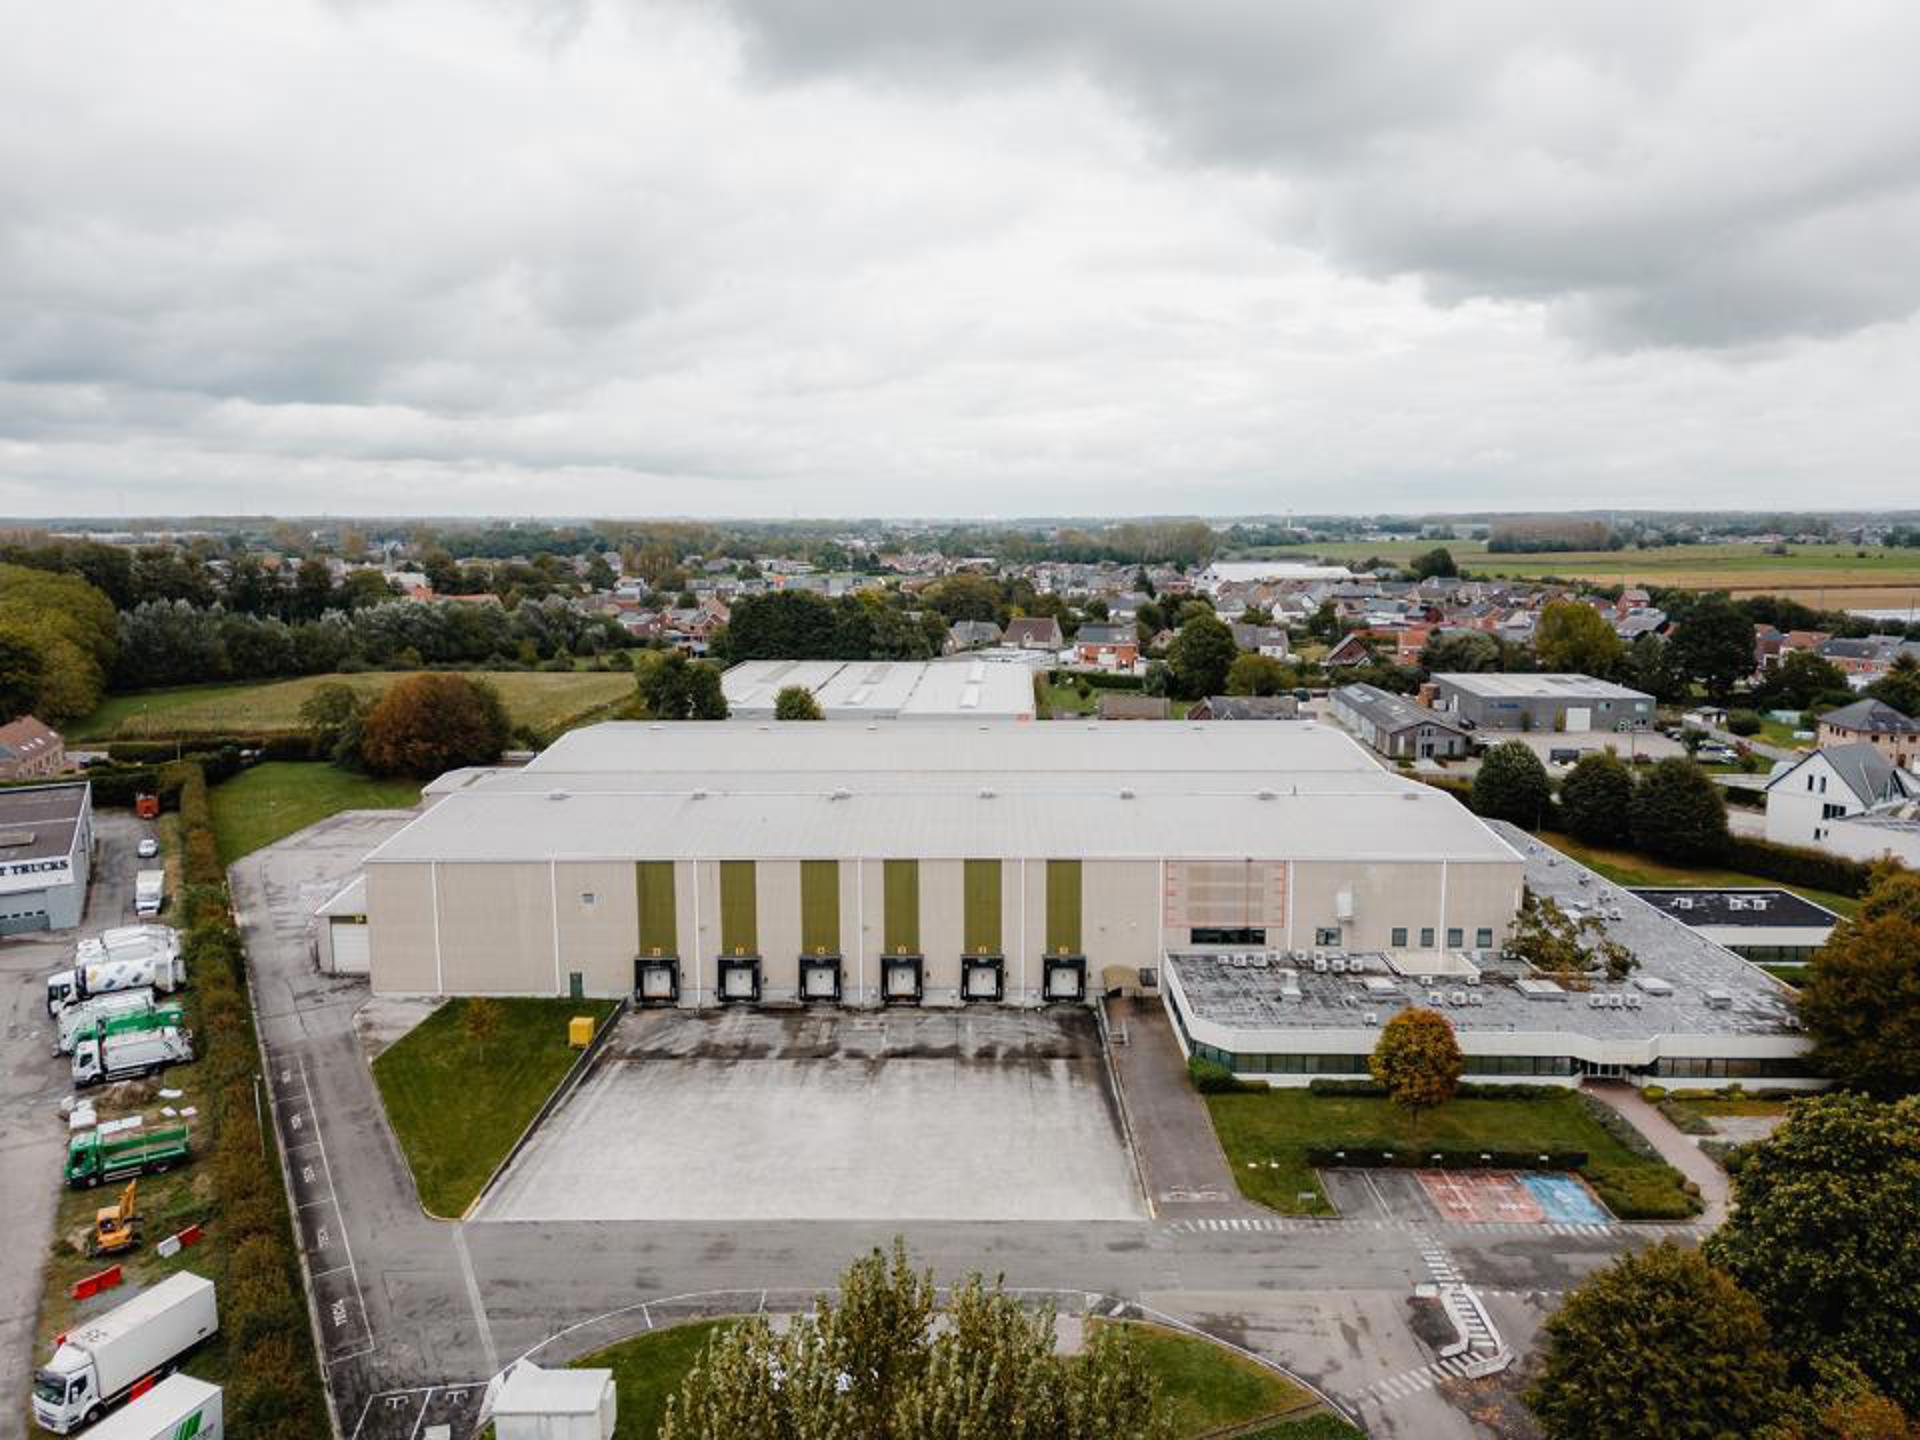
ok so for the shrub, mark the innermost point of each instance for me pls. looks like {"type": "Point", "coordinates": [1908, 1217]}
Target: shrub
{"type": "Point", "coordinates": [1794, 865]}
{"type": "Point", "coordinates": [1512, 785]}
{"type": "Point", "coordinates": [1743, 723]}
{"type": "Point", "coordinates": [1210, 1077]}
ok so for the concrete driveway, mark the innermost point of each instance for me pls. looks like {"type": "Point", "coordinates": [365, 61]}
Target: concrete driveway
{"type": "Point", "coordinates": [33, 1137]}
{"type": "Point", "coordinates": [903, 1114]}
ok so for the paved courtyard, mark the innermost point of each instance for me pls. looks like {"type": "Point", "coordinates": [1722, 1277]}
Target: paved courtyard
{"type": "Point", "coordinates": [902, 1115]}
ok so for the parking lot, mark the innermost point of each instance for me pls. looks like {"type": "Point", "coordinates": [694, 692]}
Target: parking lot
{"type": "Point", "coordinates": [33, 1137]}
{"type": "Point", "coordinates": [980, 1114]}
{"type": "Point", "coordinates": [1464, 1197]}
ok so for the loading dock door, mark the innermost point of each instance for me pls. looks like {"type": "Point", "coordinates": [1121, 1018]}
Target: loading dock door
{"type": "Point", "coordinates": [900, 979]}
{"type": "Point", "coordinates": [820, 977]}
{"type": "Point", "coordinates": [739, 980]}
{"type": "Point", "coordinates": [347, 939]}
{"type": "Point", "coordinates": [1580, 718]}
{"type": "Point", "coordinates": [984, 977]}
{"type": "Point", "coordinates": [1066, 977]}
{"type": "Point", "coordinates": [656, 980]}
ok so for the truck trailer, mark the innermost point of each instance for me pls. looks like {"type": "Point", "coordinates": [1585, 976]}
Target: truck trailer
{"type": "Point", "coordinates": [178, 1408]}
{"type": "Point", "coordinates": [80, 1018]}
{"type": "Point", "coordinates": [94, 1159]}
{"type": "Point", "coordinates": [99, 1363]}
{"type": "Point", "coordinates": [98, 1058]}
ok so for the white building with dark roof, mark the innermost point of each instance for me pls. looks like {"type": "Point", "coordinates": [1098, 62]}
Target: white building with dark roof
{"type": "Point", "coordinates": [46, 848]}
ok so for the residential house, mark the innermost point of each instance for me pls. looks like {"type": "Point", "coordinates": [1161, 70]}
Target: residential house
{"type": "Point", "coordinates": [1269, 640]}
{"type": "Point", "coordinates": [30, 750]}
{"type": "Point", "coordinates": [971, 635]}
{"type": "Point", "coordinates": [1875, 723]}
{"type": "Point", "coordinates": [1808, 796]}
{"type": "Point", "coordinates": [1125, 705]}
{"type": "Point", "coordinates": [1354, 649]}
{"type": "Point", "coordinates": [1110, 646]}
{"type": "Point", "coordinates": [1034, 632]}
{"type": "Point", "coordinates": [1866, 660]}
{"type": "Point", "coordinates": [1396, 726]}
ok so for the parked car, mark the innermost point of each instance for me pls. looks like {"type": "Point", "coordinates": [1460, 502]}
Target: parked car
{"type": "Point", "coordinates": [147, 848]}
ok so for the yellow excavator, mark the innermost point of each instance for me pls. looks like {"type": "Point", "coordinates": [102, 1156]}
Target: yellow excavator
{"type": "Point", "coordinates": [116, 1228]}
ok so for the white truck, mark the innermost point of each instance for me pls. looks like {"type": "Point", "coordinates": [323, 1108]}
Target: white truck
{"type": "Point", "coordinates": [127, 965]}
{"type": "Point", "coordinates": [83, 1016]}
{"type": "Point", "coordinates": [98, 1363]}
{"type": "Point", "coordinates": [127, 1055]}
{"type": "Point", "coordinates": [178, 1408]}
{"type": "Point", "coordinates": [149, 891]}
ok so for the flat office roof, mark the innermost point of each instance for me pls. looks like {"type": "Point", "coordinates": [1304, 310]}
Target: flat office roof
{"type": "Point", "coordinates": [1756, 907]}
{"type": "Point", "coordinates": [1540, 687]}
{"type": "Point", "coordinates": [958, 689]}
{"type": "Point", "coordinates": [1695, 970]}
{"type": "Point", "coordinates": [1048, 790]}
{"type": "Point", "coordinates": [37, 822]}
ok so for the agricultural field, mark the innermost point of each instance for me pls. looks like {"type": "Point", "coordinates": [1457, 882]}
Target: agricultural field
{"type": "Point", "coordinates": [542, 701]}
{"type": "Point", "coordinates": [1837, 577]}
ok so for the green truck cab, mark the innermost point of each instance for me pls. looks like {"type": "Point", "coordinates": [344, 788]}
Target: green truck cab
{"type": "Point", "coordinates": [92, 1160]}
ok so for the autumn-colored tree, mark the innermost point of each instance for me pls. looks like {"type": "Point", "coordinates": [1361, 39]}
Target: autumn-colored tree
{"type": "Point", "coordinates": [1575, 638]}
{"type": "Point", "coordinates": [1418, 1059]}
{"type": "Point", "coordinates": [1861, 1003]}
{"type": "Point", "coordinates": [481, 1021]}
{"type": "Point", "coordinates": [427, 724]}
{"type": "Point", "coordinates": [872, 1364]}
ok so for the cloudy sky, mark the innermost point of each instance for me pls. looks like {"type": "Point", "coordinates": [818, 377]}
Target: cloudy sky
{"type": "Point", "coordinates": [910, 257]}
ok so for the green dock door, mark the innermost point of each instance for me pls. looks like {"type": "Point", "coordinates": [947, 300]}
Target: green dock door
{"type": "Point", "coordinates": [653, 883]}
{"type": "Point", "coordinates": [820, 907]}
{"type": "Point", "coordinates": [739, 929]}
{"type": "Point", "coordinates": [902, 928]}
{"type": "Point", "coordinates": [983, 907]}
{"type": "Point", "coordinates": [1063, 907]}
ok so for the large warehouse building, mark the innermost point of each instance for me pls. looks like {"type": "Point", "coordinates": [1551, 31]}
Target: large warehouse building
{"type": "Point", "coordinates": [957, 690]}
{"type": "Point", "coordinates": [46, 846]}
{"type": "Point", "coordinates": [878, 863]}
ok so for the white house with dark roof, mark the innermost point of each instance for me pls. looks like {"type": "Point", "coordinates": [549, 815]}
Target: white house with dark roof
{"type": "Point", "coordinates": [1808, 796]}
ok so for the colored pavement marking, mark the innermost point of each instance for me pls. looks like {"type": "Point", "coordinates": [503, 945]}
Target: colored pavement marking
{"type": "Point", "coordinates": [1481, 1197]}
{"type": "Point", "coordinates": [1565, 1199]}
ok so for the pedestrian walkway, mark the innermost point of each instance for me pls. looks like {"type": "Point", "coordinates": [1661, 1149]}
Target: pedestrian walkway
{"type": "Point", "coordinates": [1307, 1224]}
{"type": "Point", "coordinates": [1676, 1148]}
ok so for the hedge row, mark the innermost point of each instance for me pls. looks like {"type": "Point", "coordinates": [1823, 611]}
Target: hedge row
{"type": "Point", "coordinates": [273, 1386]}
{"type": "Point", "coordinates": [1471, 1090]}
{"type": "Point", "coordinates": [1100, 679]}
{"type": "Point", "coordinates": [271, 747]}
{"type": "Point", "coordinates": [1374, 1157]}
{"type": "Point", "coordinates": [1793, 865]}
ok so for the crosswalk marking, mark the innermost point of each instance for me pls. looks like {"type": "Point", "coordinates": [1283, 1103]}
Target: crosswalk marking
{"type": "Point", "coordinates": [1282, 1224]}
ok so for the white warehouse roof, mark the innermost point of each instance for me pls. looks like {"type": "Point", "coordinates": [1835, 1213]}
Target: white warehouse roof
{"type": "Point", "coordinates": [1540, 687]}
{"type": "Point", "coordinates": [960, 689]}
{"type": "Point", "coordinates": [796, 791]}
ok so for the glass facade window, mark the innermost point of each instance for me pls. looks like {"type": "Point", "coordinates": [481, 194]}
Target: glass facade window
{"type": "Point", "coordinates": [1706, 1067]}
{"type": "Point", "coordinates": [1327, 936]}
{"type": "Point", "coordinates": [1216, 936]}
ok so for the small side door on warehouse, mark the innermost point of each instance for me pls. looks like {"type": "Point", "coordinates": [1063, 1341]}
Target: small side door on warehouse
{"type": "Point", "coordinates": [983, 968]}
{"type": "Point", "coordinates": [348, 944]}
{"type": "Point", "coordinates": [739, 960]}
{"type": "Point", "coordinates": [1064, 973]}
{"type": "Point", "coordinates": [901, 970]}
{"type": "Point", "coordinates": [820, 930]}
{"type": "Point", "coordinates": [656, 969]}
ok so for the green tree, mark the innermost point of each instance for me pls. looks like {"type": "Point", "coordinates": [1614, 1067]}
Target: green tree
{"type": "Point", "coordinates": [676, 688]}
{"type": "Point", "coordinates": [1861, 999]}
{"type": "Point", "coordinates": [1461, 652]}
{"type": "Point", "coordinates": [796, 702]}
{"type": "Point", "coordinates": [1575, 638]}
{"type": "Point", "coordinates": [1257, 675]}
{"type": "Point", "coordinates": [1436, 562]}
{"type": "Point", "coordinates": [1594, 799]}
{"type": "Point", "coordinates": [1713, 644]}
{"type": "Point", "coordinates": [1660, 1345]}
{"type": "Point", "coordinates": [429, 723]}
{"type": "Point", "coordinates": [873, 1364]}
{"type": "Point", "coordinates": [1825, 1234]}
{"type": "Point", "coordinates": [1653, 667]}
{"type": "Point", "coordinates": [480, 1022]}
{"type": "Point", "coordinates": [1679, 814]}
{"type": "Point", "coordinates": [1418, 1059]}
{"type": "Point", "coordinates": [1548, 938]}
{"type": "Point", "coordinates": [1512, 784]}
{"type": "Point", "coordinates": [335, 716]}
{"type": "Point", "coordinates": [22, 668]}
{"type": "Point", "coordinates": [1800, 678]}
{"type": "Point", "coordinates": [1900, 686]}
{"type": "Point", "coordinates": [1324, 623]}
{"type": "Point", "coordinates": [1200, 656]}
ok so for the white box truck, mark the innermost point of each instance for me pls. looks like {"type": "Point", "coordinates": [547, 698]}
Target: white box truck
{"type": "Point", "coordinates": [178, 1408]}
{"type": "Point", "coordinates": [80, 1018]}
{"type": "Point", "coordinates": [149, 891]}
{"type": "Point", "coordinates": [98, 1363]}
{"type": "Point", "coordinates": [128, 1055]}
{"type": "Point", "coordinates": [160, 968]}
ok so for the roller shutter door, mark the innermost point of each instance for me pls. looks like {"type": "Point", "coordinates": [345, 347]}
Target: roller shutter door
{"type": "Point", "coordinates": [348, 942]}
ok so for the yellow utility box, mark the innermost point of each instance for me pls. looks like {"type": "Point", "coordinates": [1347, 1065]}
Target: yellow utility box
{"type": "Point", "coordinates": [580, 1031]}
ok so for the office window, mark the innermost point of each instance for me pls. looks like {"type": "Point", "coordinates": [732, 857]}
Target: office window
{"type": "Point", "coordinates": [1399, 937]}
{"type": "Point", "coordinates": [1327, 936]}
{"type": "Point", "coordinates": [1483, 939]}
{"type": "Point", "coordinates": [1426, 937]}
{"type": "Point", "coordinates": [1455, 938]}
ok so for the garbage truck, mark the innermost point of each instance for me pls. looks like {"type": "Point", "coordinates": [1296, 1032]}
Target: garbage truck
{"type": "Point", "coordinates": [100, 1362]}
{"type": "Point", "coordinates": [93, 1158]}
{"type": "Point", "coordinates": [98, 1057]}
{"type": "Point", "coordinates": [157, 963]}
{"type": "Point", "coordinates": [149, 891]}
{"type": "Point", "coordinates": [81, 1017]}
{"type": "Point", "coordinates": [178, 1408]}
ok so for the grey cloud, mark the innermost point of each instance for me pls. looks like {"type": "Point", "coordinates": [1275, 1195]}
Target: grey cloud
{"type": "Point", "coordinates": [1689, 174]}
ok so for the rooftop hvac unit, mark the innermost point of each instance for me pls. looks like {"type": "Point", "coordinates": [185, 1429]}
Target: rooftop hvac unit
{"type": "Point", "coordinates": [1338, 964]}
{"type": "Point", "coordinates": [1260, 962]}
{"type": "Point", "coordinates": [1631, 1000]}
{"type": "Point", "coordinates": [1476, 998]}
{"type": "Point", "coordinates": [1653, 984]}
{"type": "Point", "coordinates": [1614, 1002]}
{"type": "Point", "coordinates": [1594, 1002]}
{"type": "Point", "coordinates": [1586, 879]}
{"type": "Point", "coordinates": [1372, 1017]}
{"type": "Point", "coordinates": [1474, 979]}
{"type": "Point", "coordinates": [1718, 999]}
{"type": "Point", "coordinates": [1459, 997]}
{"type": "Point", "coordinates": [1319, 964]}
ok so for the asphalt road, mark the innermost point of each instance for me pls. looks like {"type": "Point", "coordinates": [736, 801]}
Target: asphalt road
{"type": "Point", "coordinates": [416, 1313]}
{"type": "Point", "coordinates": [33, 1081]}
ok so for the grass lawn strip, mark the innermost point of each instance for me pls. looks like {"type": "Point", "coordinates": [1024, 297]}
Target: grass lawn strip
{"type": "Point", "coordinates": [1625, 867]}
{"type": "Point", "coordinates": [457, 1107]}
{"type": "Point", "coordinates": [1267, 1134]}
{"type": "Point", "coordinates": [542, 700]}
{"type": "Point", "coordinates": [1204, 1387]}
{"type": "Point", "coordinates": [277, 797]}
